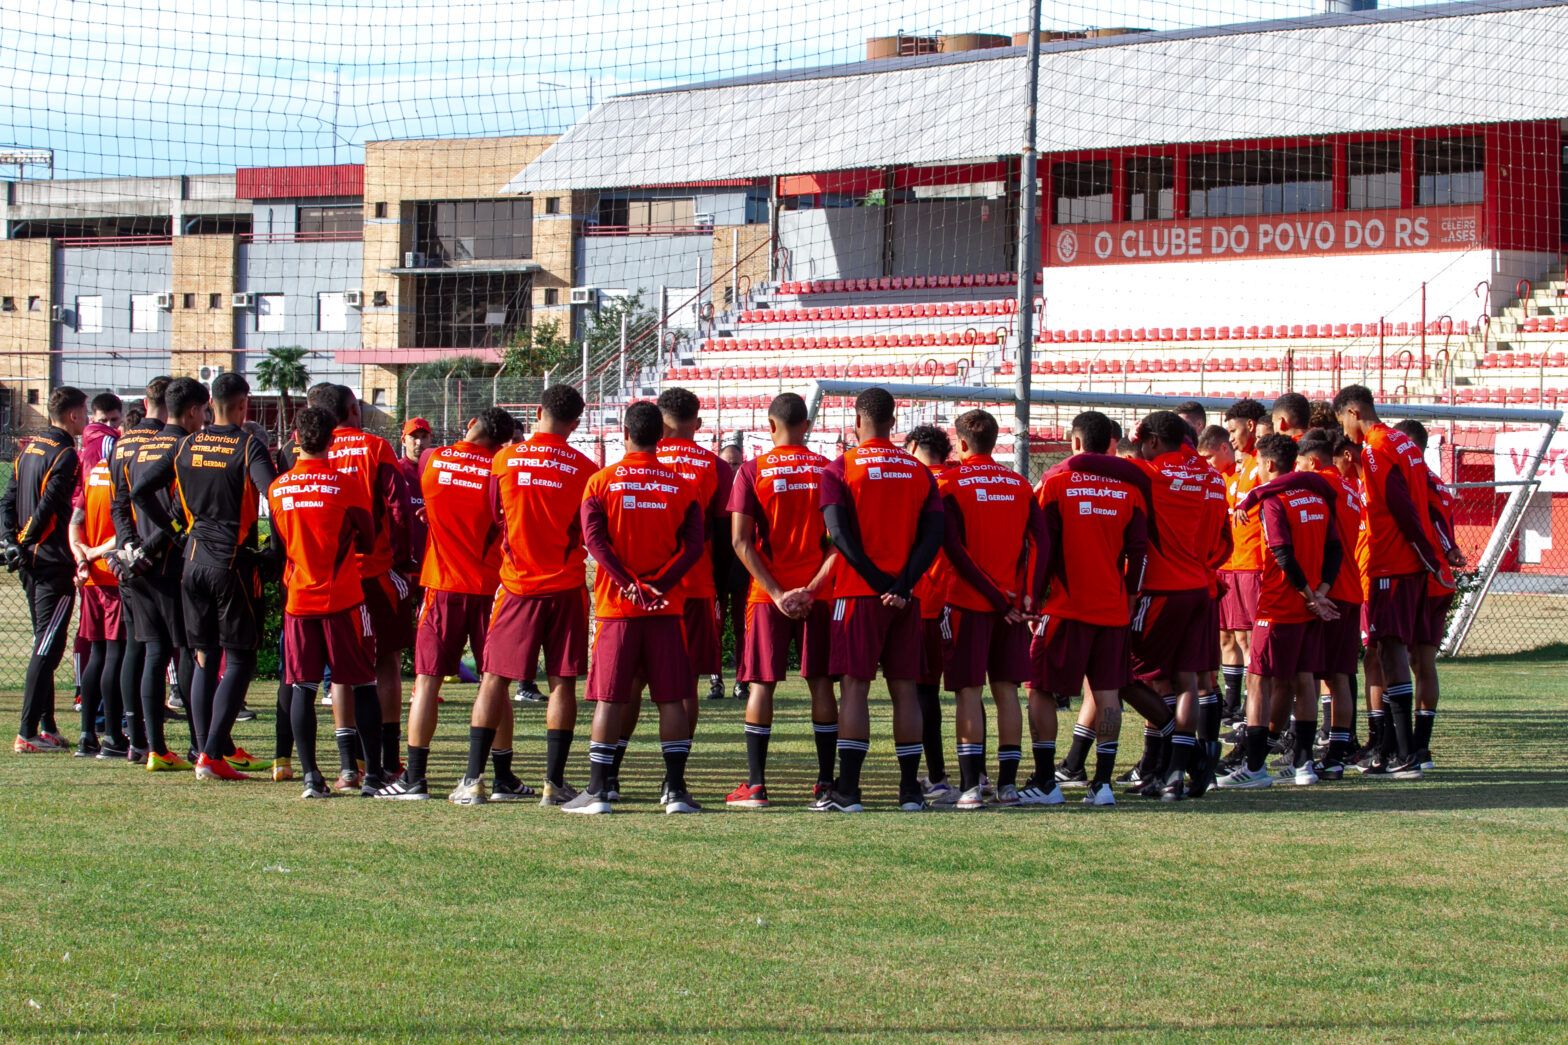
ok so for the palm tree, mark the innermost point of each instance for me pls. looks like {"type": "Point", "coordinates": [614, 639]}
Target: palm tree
{"type": "Point", "coordinates": [283, 371]}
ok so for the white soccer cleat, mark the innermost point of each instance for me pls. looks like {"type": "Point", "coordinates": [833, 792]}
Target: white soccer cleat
{"type": "Point", "coordinates": [1244, 779]}
{"type": "Point", "coordinates": [1034, 795]}
{"type": "Point", "coordinates": [470, 791]}
{"type": "Point", "coordinates": [1100, 795]}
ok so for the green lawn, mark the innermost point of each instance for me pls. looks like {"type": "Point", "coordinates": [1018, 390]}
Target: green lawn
{"type": "Point", "coordinates": [134, 905]}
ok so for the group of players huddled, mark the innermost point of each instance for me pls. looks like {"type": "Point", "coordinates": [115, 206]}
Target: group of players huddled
{"type": "Point", "coordinates": [1205, 575]}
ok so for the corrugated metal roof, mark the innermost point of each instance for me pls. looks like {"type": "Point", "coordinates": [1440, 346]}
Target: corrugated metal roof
{"type": "Point", "coordinates": [277, 183]}
{"type": "Point", "coordinates": [1384, 70]}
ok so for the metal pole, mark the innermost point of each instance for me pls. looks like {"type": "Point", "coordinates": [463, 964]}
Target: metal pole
{"type": "Point", "coordinates": [585, 364]}
{"type": "Point", "coordinates": [623, 353]}
{"type": "Point", "coordinates": [1028, 248]}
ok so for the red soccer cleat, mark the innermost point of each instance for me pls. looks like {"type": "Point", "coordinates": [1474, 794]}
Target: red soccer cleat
{"type": "Point", "coordinates": [748, 796]}
{"type": "Point", "coordinates": [216, 769]}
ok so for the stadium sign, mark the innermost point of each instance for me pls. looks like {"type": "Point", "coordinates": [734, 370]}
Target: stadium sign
{"type": "Point", "coordinates": [1269, 236]}
{"type": "Point", "coordinates": [1513, 451]}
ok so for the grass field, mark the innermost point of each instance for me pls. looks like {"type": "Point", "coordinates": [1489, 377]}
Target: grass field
{"type": "Point", "coordinates": [134, 905]}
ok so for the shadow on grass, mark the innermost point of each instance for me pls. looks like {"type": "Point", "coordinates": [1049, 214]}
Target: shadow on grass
{"type": "Point", "coordinates": [1557, 651]}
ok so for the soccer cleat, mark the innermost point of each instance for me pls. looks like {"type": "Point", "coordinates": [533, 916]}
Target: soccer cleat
{"type": "Point", "coordinates": [371, 784]}
{"type": "Point", "coordinates": [1329, 770]}
{"type": "Point", "coordinates": [513, 790]}
{"type": "Point", "coordinates": [112, 750]}
{"type": "Point", "coordinates": [55, 737]}
{"type": "Point", "coordinates": [1007, 795]}
{"type": "Point", "coordinates": [911, 801]}
{"type": "Point", "coordinates": [86, 746]}
{"type": "Point", "coordinates": [1133, 779]}
{"type": "Point", "coordinates": [216, 769]}
{"type": "Point", "coordinates": [242, 759]}
{"type": "Point", "coordinates": [1100, 795]}
{"type": "Point", "coordinates": [528, 693]}
{"type": "Point", "coordinates": [742, 691]}
{"type": "Point", "coordinates": [1033, 794]}
{"type": "Point", "coordinates": [1409, 769]}
{"type": "Point", "coordinates": [587, 803]}
{"type": "Point", "coordinates": [470, 791]}
{"type": "Point", "coordinates": [820, 788]}
{"type": "Point", "coordinates": [1071, 777]}
{"type": "Point", "coordinates": [680, 801]}
{"type": "Point", "coordinates": [138, 755]}
{"type": "Point", "coordinates": [748, 796]}
{"type": "Point", "coordinates": [1423, 760]}
{"type": "Point", "coordinates": [938, 791]}
{"type": "Point", "coordinates": [282, 769]}
{"type": "Point", "coordinates": [970, 800]}
{"type": "Point", "coordinates": [167, 762]}
{"type": "Point", "coordinates": [716, 689]}
{"type": "Point", "coordinates": [401, 790]}
{"type": "Point", "coordinates": [556, 794]}
{"type": "Point", "coordinates": [245, 715]}
{"type": "Point", "coordinates": [612, 789]}
{"type": "Point", "coordinates": [326, 698]}
{"type": "Point", "coordinates": [1064, 702]}
{"type": "Point", "coordinates": [1244, 779]}
{"type": "Point", "coordinates": [836, 802]}
{"type": "Point", "coordinates": [1304, 775]}
{"type": "Point", "coordinates": [1373, 767]}
{"type": "Point", "coordinates": [316, 787]}
{"type": "Point", "coordinates": [987, 788]}
{"type": "Point", "coordinates": [348, 780]}
{"type": "Point", "coordinates": [32, 746]}
{"type": "Point", "coordinates": [1173, 791]}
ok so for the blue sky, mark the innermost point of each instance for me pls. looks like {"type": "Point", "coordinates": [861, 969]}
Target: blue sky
{"type": "Point", "coordinates": [176, 86]}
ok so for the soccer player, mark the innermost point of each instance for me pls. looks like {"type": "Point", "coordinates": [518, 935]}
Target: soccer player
{"type": "Point", "coordinates": [1341, 637]}
{"type": "Point", "coordinates": [461, 573]}
{"type": "Point", "coordinates": [100, 625]}
{"type": "Point", "coordinates": [993, 527]}
{"type": "Point", "coordinates": [152, 561]}
{"type": "Point", "coordinates": [541, 606]}
{"type": "Point", "coordinates": [731, 579]}
{"type": "Point", "coordinates": [777, 533]}
{"type": "Point", "coordinates": [1400, 556]}
{"type": "Point", "coordinates": [1096, 517]}
{"type": "Point", "coordinates": [416, 440]}
{"type": "Point", "coordinates": [35, 519]}
{"type": "Point", "coordinates": [1172, 629]}
{"type": "Point", "coordinates": [320, 519]}
{"type": "Point", "coordinates": [383, 573]}
{"type": "Point", "coordinates": [220, 472]}
{"type": "Point", "coordinates": [644, 526]}
{"type": "Point", "coordinates": [883, 513]}
{"type": "Point", "coordinates": [1196, 417]}
{"type": "Point", "coordinates": [1239, 576]}
{"type": "Point", "coordinates": [1286, 648]}
{"type": "Point", "coordinates": [1433, 619]}
{"type": "Point", "coordinates": [1292, 415]}
{"type": "Point", "coordinates": [931, 447]}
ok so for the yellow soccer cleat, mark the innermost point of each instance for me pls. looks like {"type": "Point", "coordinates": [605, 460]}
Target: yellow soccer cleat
{"type": "Point", "coordinates": [168, 762]}
{"type": "Point", "coordinates": [246, 762]}
{"type": "Point", "coordinates": [282, 770]}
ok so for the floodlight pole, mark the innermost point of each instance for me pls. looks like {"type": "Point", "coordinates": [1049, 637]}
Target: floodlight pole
{"type": "Point", "coordinates": [1028, 248]}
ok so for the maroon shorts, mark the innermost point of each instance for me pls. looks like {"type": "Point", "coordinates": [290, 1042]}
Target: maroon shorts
{"type": "Point", "coordinates": [1171, 631]}
{"type": "Point", "coordinates": [448, 621]}
{"type": "Point", "coordinates": [1342, 640]}
{"type": "Point", "coordinates": [866, 633]}
{"type": "Point", "coordinates": [1211, 638]}
{"type": "Point", "coordinates": [1394, 607]}
{"type": "Point", "coordinates": [1239, 601]}
{"type": "Point", "coordinates": [984, 646]}
{"type": "Point", "coordinates": [936, 634]}
{"type": "Point", "coordinates": [1066, 652]}
{"type": "Point", "coordinates": [765, 652]}
{"type": "Point", "coordinates": [704, 641]}
{"type": "Point", "coordinates": [389, 600]}
{"type": "Point", "coordinates": [100, 619]}
{"type": "Point", "coordinates": [1282, 650]}
{"type": "Point", "coordinates": [344, 640]}
{"type": "Point", "coordinates": [1431, 625]}
{"type": "Point", "coordinates": [648, 649]}
{"type": "Point", "coordinates": [524, 626]}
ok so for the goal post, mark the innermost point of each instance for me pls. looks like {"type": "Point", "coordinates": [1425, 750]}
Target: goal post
{"type": "Point", "coordinates": [1054, 408]}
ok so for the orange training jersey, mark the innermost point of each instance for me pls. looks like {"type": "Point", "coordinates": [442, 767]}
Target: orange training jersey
{"type": "Point", "coordinates": [1099, 543]}
{"type": "Point", "coordinates": [1187, 520]}
{"type": "Point", "coordinates": [1246, 538]}
{"type": "Point", "coordinates": [1441, 500]}
{"type": "Point", "coordinates": [314, 511]}
{"type": "Point", "coordinates": [644, 504]}
{"type": "Point", "coordinates": [778, 490]}
{"type": "Point", "coordinates": [1393, 477]}
{"type": "Point", "coordinates": [937, 581]}
{"type": "Point", "coordinates": [463, 547]}
{"type": "Point", "coordinates": [362, 456]}
{"type": "Point", "coordinates": [886, 491]}
{"type": "Point", "coordinates": [1299, 519]}
{"type": "Point", "coordinates": [1347, 524]}
{"type": "Point", "coordinates": [98, 526]}
{"type": "Point", "coordinates": [709, 476]}
{"type": "Point", "coordinates": [993, 508]}
{"type": "Point", "coordinates": [539, 484]}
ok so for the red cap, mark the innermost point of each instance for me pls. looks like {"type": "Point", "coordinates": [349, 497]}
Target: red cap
{"type": "Point", "coordinates": [416, 424]}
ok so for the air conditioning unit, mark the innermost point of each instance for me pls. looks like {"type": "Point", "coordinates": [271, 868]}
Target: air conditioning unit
{"type": "Point", "coordinates": [244, 300]}
{"type": "Point", "coordinates": [585, 296]}
{"type": "Point", "coordinates": [414, 259]}
{"type": "Point", "coordinates": [354, 298]}
{"type": "Point", "coordinates": [166, 301]}
{"type": "Point", "coordinates": [703, 221]}
{"type": "Point", "coordinates": [208, 374]}
{"type": "Point", "coordinates": [57, 313]}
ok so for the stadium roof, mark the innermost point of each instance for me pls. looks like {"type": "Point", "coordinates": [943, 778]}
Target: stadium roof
{"type": "Point", "coordinates": [1433, 66]}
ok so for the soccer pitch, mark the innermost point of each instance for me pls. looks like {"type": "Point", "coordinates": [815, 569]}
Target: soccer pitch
{"type": "Point", "coordinates": [135, 905]}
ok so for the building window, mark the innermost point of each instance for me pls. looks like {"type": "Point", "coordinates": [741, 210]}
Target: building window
{"type": "Point", "coordinates": [378, 397]}
{"type": "Point", "coordinates": [1374, 175]}
{"type": "Point", "coordinates": [645, 216]}
{"type": "Point", "coordinates": [481, 310]}
{"type": "Point", "coordinates": [269, 314]}
{"type": "Point", "coordinates": [144, 313]}
{"type": "Point", "coordinates": [471, 230]}
{"type": "Point", "coordinates": [1082, 192]}
{"type": "Point", "coordinates": [32, 397]}
{"type": "Point", "coordinates": [1449, 171]}
{"type": "Point", "coordinates": [338, 221]}
{"type": "Point", "coordinates": [214, 300]}
{"type": "Point", "coordinates": [1260, 181]}
{"type": "Point", "coordinates": [8, 304]}
{"type": "Point", "coordinates": [89, 315]}
{"type": "Point", "coordinates": [188, 300]}
{"type": "Point", "coordinates": [331, 312]}
{"type": "Point", "coordinates": [552, 204]}
{"type": "Point", "coordinates": [1151, 188]}
{"type": "Point", "coordinates": [552, 296]}
{"type": "Point", "coordinates": [34, 303]}
{"type": "Point", "coordinates": [381, 210]}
